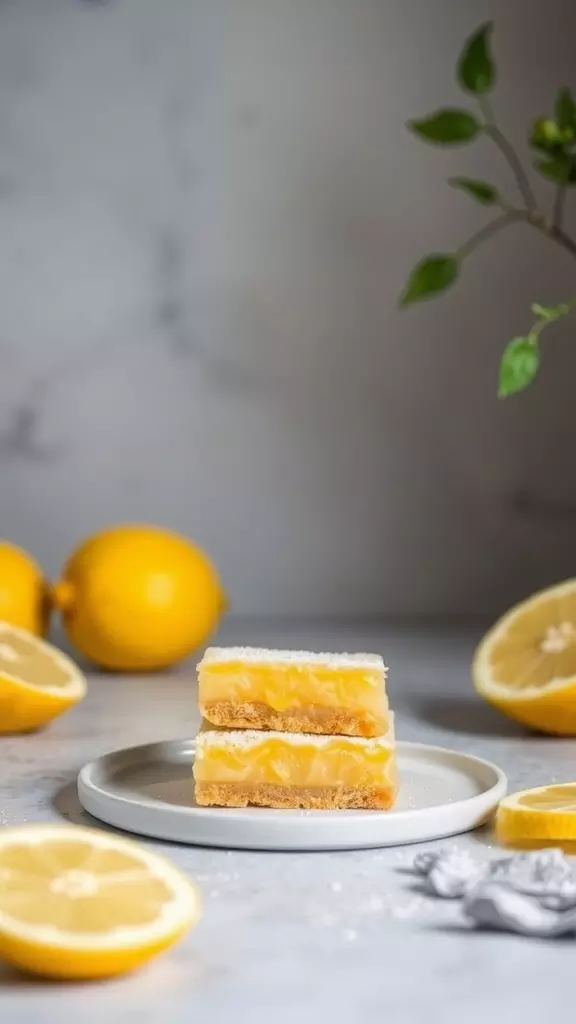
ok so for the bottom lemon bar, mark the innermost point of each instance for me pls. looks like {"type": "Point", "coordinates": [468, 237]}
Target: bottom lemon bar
{"type": "Point", "coordinates": [235, 768]}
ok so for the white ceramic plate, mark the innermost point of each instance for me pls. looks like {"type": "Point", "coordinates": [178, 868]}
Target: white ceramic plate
{"type": "Point", "coordinates": [149, 790]}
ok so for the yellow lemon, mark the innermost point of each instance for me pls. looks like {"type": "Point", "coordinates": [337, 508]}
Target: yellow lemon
{"type": "Point", "coordinates": [37, 682]}
{"type": "Point", "coordinates": [23, 592]}
{"type": "Point", "coordinates": [79, 903]}
{"type": "Point", "coordinates": [138, 598]}
{"type": "Point", "coordinates": [547, 814]}
{"type": "Point", "coordinates": [526, 664]}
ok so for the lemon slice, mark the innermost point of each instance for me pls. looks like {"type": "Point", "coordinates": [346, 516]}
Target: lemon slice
{"type": "Point", "coordinates": [37, 682]}
{"type": "Point", "coordinates": [526, 664]}
{"type": "Point", "coordinates": [78, 903]}
{"type": "Point", "coordinates": [544, 814]}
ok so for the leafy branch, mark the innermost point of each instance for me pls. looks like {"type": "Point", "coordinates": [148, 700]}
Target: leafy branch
{"type": "Point", "coordinates": [521, 360]}
{"type": "Point", "coordinates": [554, 140]}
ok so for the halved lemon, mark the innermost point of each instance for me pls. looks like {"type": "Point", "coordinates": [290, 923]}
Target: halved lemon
{"type": "Point", "coordinates": [526, 664]}
{"type": "Point", "coordinates": [37, 682]}
{"type": "Point", "coordinates": [79, 903]}
{"type": "Point", "coordinates": [544, 814]}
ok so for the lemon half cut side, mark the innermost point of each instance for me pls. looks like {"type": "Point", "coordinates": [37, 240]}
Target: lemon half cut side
{"type": "Point", "coordinates": [37, 681]}
{"type": "Point", "coordinates": [526, 664]}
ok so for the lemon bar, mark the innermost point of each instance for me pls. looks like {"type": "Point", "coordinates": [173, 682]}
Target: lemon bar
{"type": "Point", "coordinates": [293, 691]}
{"type": "Point", "coordinates": [235, 768]}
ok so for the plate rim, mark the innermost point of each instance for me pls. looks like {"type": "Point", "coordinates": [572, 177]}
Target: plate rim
{"type": "Point", "coordinates": [265, 829]}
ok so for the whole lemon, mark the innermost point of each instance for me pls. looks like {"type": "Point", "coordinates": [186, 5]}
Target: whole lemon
{"type": "Point", "coordinates": [23, 591]}
{"type": "Point", "coordinates": [138, 598]}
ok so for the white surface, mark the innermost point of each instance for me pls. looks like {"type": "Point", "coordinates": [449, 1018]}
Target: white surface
{"type": "Point", "coordinates": [149, 790]}
{"type": "Point", "coordinates": [298, 938]}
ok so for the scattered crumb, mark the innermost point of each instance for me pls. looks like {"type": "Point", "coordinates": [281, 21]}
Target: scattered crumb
{"type": "Point", "coordinates": [373, 904]}
{"type": "Point", "coordinates": [350, 935]}
{"type": "Point", "coordinates": [336, 886]}
{"type": "Point", "coordinates": [402, 856]}
{"type": "Point", "coordinates": [408, 910]}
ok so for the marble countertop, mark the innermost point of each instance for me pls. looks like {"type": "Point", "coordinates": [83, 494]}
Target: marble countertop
{"type": "Point", "coordinates": [288, 936]}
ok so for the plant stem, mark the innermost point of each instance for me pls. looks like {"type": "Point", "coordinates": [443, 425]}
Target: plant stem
{"type": "Point", "coordinates": [509, 153]}
{"type": "Point", "coordinates": [538, 327]}
{"type": "Point", "coordinates": [501, 222]}
{"type": "Point", "coordinates": [551, 230]}
{"type": "Point", "coordinates": [563, 239]}
{"type": "Point", "coordinates": [536, 219]}
{"type": "Point", "coordinates": [559, 206]}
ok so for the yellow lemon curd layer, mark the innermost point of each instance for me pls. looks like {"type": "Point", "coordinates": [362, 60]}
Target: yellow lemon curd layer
{"type": "Point", "coordinates": [286, 681]}
{"type": "Point", "coordinates": [293, 759]}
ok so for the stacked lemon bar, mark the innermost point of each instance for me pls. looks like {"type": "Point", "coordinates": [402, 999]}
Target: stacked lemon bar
{"type": "Point", "coordinates": [294, 729]}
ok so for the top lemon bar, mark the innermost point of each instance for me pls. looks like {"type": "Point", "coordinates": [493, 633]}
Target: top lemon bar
{"type": "Point", "coordinates": [294, 691]}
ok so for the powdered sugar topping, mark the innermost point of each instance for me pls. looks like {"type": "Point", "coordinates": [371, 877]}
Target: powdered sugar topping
{"type": "Point", "coordinates": [245, 738]}
{"type": "Point", "coordinates": [262, 656]}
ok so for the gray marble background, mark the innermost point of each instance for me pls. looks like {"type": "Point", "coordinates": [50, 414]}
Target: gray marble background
{"type": "Point", "coordinates": [207, 210]}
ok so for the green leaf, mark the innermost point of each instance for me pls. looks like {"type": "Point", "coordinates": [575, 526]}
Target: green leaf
{"type": "Point", "coordinates": [550, 312]}
{"type": "Point", "coordinates": [434, 274]}
{"type": "Point", "coordinates": [519, 366]}
{"type": "Point", "coordinates": [565, 111]}
{"type": "Point", "coordinates": [447, 127]}
{"type": "Point", "coordinates": [476, 70]}
{"type": "Point", "coordinates": [561, 169]}
{"type": "Point", "coordinates": [486, 194]}
{"type": "Point", "coordinates": [547, 136]}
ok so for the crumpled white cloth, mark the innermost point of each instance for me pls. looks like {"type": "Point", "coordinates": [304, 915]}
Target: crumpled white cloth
{"type": "Point", "coordinates": [530, 893]}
